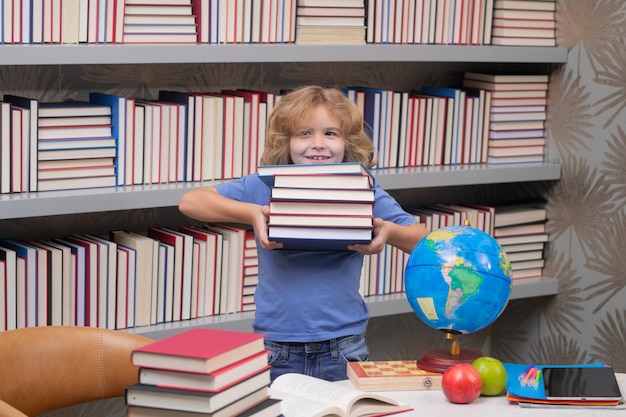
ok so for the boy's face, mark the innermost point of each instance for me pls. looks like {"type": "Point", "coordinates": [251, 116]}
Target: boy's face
{"type": "Point", "coordinates": [318, 140]}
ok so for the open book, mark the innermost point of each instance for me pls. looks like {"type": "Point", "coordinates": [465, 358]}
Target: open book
{"type": "Point", "coordinates": [306, 396]}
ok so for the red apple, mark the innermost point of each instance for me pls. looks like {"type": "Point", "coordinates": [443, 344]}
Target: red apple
{"type": "Point", "coordinates": [493, 375]}
{"type": "Point", "coordinates": [461, 383]}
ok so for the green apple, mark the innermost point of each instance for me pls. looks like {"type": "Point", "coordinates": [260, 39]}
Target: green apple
{"type": "Point", "coordinates": [493, 375]}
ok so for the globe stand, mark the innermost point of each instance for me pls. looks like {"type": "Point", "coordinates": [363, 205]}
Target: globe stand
{"type": "Point", "coordinates": [440, 359]}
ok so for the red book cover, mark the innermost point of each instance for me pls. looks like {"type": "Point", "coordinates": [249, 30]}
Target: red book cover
{"type": "Point", "coordinates": [212, 382]}
{"type": "Point", "coordinates": [198, 350]}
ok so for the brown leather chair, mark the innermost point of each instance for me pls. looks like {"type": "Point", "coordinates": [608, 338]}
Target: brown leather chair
{"type": "Point", "coordinates": [46, 368]}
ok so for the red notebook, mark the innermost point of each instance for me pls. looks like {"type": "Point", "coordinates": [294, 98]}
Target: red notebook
{"type": "Point", "coordinates": [199, 350]}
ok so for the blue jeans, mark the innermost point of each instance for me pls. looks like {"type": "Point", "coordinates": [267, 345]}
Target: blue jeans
{"type": "Point", "coordinates": [326, 360]}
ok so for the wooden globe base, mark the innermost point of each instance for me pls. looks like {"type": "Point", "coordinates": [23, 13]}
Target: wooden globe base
{"type": "Point", "coordinates": [440, 359]}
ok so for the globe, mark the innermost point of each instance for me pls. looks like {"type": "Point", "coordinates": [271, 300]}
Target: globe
{"type": "Point", "coordinates": [457, 279]}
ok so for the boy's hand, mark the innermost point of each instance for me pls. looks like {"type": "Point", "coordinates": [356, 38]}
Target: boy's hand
{"type": "Point", "coordinates": [378, 241]}
{"type": "Point", "coordinates": [259, 224]}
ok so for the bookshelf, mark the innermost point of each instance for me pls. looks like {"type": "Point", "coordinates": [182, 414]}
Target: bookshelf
{"type": "Point", "coordinates": [40, 204]}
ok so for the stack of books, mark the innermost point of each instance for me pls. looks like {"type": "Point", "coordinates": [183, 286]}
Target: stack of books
{"type": "Point", "coordinates": [74, 146]}
{"type": "Point", "coordinates": [330, 21]}
{"type": "Point", "coordinates": [517, 115]}
{"type": "Point", "coordinates": [524, 23]}
{"type": "Point", "coordinates": [250, 272]}
{"type": "Point", "coordinates": [319, 206]}
{"type": "Point", "coordinates": [521, 231]}
{"type": "Point", "coordinates": [215, 372]}
{"type": "Point", "coordinates": [48, 146]}
{"type": "Point", "coordinates": [165, 22]}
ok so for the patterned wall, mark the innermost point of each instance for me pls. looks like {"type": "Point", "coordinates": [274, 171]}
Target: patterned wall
{"type": "Point", "coordinates": [585, 322]}
{"type": "Point", "coordinates": [586, 127]}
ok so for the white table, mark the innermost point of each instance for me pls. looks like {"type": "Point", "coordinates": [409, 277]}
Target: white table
{"type": "Point", "coordinates": [434, 404]}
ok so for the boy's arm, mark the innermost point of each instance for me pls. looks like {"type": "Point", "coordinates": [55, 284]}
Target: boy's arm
{"type": "Point", "coordinates": [402, 237]}
{"type": "Point", "coordinates": [405, 237]}
{"type": "Point", "coordinates": [207, 205]}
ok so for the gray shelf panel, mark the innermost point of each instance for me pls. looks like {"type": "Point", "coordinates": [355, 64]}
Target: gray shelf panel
{"type": "Point", "coordinates": [534, 287]}
{"type": "Point", "coordinates": [50, 203]}
{"type": "Point", "coordinates": [454, 175]}
{"type": "Point", "coordinates": [255, 53]}
{"type": "Point", "coordinates": [386, 305]}
{"type": "Point", "coordinates": [241, 322]}
{"type": "Point", "coordinates": [379, 306]}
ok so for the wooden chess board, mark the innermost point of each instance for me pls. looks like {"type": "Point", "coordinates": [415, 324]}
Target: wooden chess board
{"type": "Point", "coordinates": [392, 375]}
{"type": "Point", "coordinates": [392, 368]}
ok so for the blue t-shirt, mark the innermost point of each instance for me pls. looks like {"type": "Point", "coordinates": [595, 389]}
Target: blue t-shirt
{"type": "Point", "coordinates": [309, 296]}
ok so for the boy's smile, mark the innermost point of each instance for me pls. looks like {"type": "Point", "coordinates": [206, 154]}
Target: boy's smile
{"type": "Point", "coordinates": [318, 140]}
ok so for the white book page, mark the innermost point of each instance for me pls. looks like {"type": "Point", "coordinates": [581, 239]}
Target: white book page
{"type": "Point", "coordinates": [314, 394]}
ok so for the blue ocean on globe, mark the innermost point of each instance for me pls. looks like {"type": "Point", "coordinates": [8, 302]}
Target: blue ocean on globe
{"type": "Point", "coordinates": [457, 279]}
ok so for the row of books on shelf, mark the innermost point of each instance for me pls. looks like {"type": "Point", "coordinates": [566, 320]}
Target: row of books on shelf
{"type": "Point", "coordinates": [128, 279]}
{"type": "Point", "coordinates": [115, 140]}
{"type": "Point", "coordinates": [490, 119]}
{"type": "Point", "coordinates": [139, 22]}
{"type": "Point", "coordinates": [519, 228]}
{"type": "Point", "coordinates": [167, 275]}
{"type": "Point", "coordinates": [184, 136]}
{"type": "Point", "coordinates": [471, 22]}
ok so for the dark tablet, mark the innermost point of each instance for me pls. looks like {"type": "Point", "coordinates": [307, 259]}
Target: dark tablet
{"type": "Point", "coordinates": [581, 384]}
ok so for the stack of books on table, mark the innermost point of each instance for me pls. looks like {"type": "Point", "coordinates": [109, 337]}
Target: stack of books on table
{"type": "Point", "coordinates": [218, 373]}
{"type": "Point", "coordinates": [524, 23]}
{"type": "Point", "coordinates": [521, 231]}
{"type": "Point", "coordinates": [330, 21]}
{"type": "Point", "coordinates": [517, 115]}
{"type": "Point", "coordinates": [319, 206]}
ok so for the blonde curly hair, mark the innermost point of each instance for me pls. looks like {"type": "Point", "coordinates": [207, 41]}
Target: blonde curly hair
{"type": "Point", "coordinates": [296, 106]}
